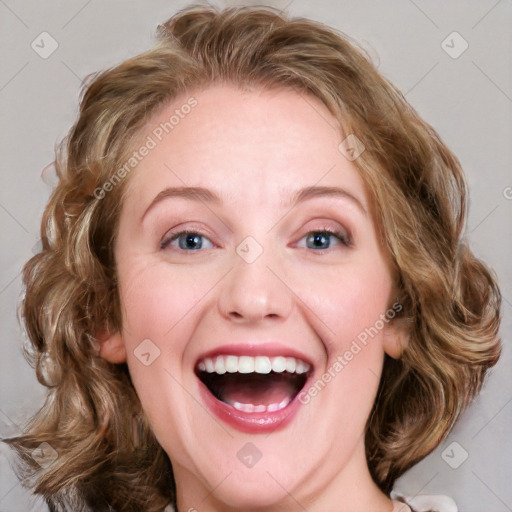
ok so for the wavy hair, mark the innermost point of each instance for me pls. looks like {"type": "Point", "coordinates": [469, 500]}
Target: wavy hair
{"type": "Point", "coordinates": [107, 456]}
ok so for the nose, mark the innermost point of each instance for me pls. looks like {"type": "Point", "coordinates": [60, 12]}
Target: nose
{"type": "Point", "coordinates": [255, 291]}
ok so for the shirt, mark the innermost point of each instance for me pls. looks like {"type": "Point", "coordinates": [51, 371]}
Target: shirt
{"type": "Point", "coordinates": [423, 503]}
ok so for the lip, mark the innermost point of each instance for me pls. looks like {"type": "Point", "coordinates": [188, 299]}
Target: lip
{"type": "Point", "coordinates": [252, 423]}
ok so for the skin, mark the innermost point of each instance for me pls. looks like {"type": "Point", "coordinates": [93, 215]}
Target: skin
{"type": "Point", "coordinates": [254, 149]}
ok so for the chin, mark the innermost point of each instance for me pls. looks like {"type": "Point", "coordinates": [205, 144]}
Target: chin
{"type": "Point", "coordinates": [256, 493]}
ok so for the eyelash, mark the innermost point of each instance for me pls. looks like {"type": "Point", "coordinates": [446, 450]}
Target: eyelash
{"type": "Point", "coordinates": [342, 237]}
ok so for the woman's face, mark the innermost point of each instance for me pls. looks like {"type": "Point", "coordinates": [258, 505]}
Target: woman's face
{"type": "Point", "coordinates": [256, 301]}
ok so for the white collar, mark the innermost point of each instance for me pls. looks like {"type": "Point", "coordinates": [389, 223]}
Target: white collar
{"type": "Point", "coordinates": [423, 503]}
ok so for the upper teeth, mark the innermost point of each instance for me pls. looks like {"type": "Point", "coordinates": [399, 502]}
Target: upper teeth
{"type": "Point", "coordinates": [249, 364]}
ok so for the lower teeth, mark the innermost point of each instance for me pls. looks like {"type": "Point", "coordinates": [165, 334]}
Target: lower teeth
{"type": "Point", "coordinates": [254, 393]}
{"type": "Point", "coordinates": [261, 407]}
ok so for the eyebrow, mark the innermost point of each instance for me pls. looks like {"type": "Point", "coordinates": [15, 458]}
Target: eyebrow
{"type": "Point", "coordinates": [205, 195]}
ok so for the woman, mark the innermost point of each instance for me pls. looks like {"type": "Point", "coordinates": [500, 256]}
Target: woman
{"type": "Point", "coordinates": [253, 293]}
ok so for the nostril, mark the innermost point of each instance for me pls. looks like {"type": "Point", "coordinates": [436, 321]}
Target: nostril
{"type": "Point", "coordinates": [239, 316]}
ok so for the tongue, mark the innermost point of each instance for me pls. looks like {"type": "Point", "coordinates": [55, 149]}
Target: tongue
{"type": "Point", "coordinates": [255, 389]}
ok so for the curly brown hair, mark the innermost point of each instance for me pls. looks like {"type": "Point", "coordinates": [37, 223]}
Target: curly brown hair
{"type": "Point", "coordinates": [450, 298]}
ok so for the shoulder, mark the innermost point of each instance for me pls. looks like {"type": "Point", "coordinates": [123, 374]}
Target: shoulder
{"type": "Point", "coordinates": [423, 503]}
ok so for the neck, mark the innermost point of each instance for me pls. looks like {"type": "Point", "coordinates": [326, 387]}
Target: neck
{"type": "Point", "coordinates": [349, 490]}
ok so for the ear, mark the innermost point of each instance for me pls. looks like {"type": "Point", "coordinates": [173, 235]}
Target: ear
{"type": "Point", "coordinates": [111, 347]}
{"type": "Point", "coordinates": [396, 337]}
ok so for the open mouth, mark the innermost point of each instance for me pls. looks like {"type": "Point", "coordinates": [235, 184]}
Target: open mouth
{"type": "Point", "coordinates": [259, 384]}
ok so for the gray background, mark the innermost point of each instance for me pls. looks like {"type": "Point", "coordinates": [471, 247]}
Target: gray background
{"type": "Point", "coordinates": [468, 99]}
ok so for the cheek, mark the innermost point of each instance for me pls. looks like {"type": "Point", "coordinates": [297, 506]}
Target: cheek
{"type": "Point", "coordinates": [158, 321]}
{"type": "Point", "coordinates": [350, 302]}
{"type": "Point", "coordinates": [357, 314]}
{"type": "Point", "coordinates": [158, 305]}
{"type": "Point", "coordinates": [351, 305]}
{"type": "Point", "coordinates": [156, 300]}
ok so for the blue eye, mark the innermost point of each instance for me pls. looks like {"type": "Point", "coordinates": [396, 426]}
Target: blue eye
{"type": "Point", "coordinates": [323, 239]}
{"type": "Point", "coordinates": [187, 240]}
{"type": "Point", "coordinates": [194, 241]}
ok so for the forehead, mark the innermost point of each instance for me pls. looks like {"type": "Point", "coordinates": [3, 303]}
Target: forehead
{"type": "Point", "coordinates": [265, 143]}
